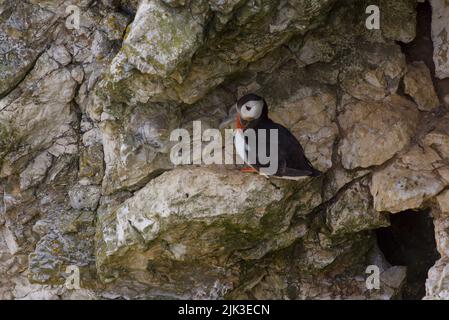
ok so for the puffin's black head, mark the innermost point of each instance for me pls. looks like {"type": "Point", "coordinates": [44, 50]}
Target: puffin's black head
{"type": "Point", "coordinates": [252, 107]}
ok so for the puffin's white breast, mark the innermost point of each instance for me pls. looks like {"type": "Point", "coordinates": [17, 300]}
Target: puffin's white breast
{"type": "Point", "coordinates": [240, 146]}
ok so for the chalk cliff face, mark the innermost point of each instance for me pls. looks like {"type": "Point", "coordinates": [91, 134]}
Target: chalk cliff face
{"type": "Point", "coordinates": [86, 111]}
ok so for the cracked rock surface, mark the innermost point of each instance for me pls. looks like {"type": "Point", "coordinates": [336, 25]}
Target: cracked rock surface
{"type": "Point", "coordinates": [86, 180]}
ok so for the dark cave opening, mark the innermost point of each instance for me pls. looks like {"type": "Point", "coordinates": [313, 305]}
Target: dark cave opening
{"type": "Point", "coordinates": [421, 48]}
{"type": "Point", "coordinates": [410, 242]}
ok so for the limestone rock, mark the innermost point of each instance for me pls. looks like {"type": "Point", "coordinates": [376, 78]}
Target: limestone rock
{"type": "Point", "coordinates": [443, 201]}
{"type": "Point", "coordinates": [373, 132]}
{"type": "Point", "coordinates": [54, 253]}
{"type": "Point", "coordinates": [416, 176]}
{"type": "Point", "coordinates": [365, 82]}
{"type": "Point", "coordinates": [437, 284]}
{"type": "Point", "coordinates": [337, 178]}
{"type": "Point", "coordinates": [21, 45]}
{"type": "Point", "coordinates": [41, 118]}
{"type": "Point", "coordinates": [40, 142]}
{"type": "Point", "coordinates": [418, 84]}
{"type": "Point", "coordinates": [441, 222]}
{"type": "Point", "coordinates": [159, 40]}
{"type": "Point", "coordinates": [398, 19]}
{"type": "Point", "coordinates": [61, 55]}
{"type": "Point", "coordinates": [139, 140]}
{"type": "Point", "coordinates": [407, 182]}
{"type": "Point", "coordinates": [353, 211]}
{"type": "Point", "coordinates": [35, 172]}
{"type": "Point", "coordinates": [153, 220]}
{"type": "Point", "coordinates": [440, 30]}
{"type": "Point", "coordinates": [84, 197]}
{"type": "Point", "coordinates": [91, 169]}
{"type": "Point", "coordinates": [182, 37]}
{"type": "Point", "coordinates": [438, 138]}
{"type": "Point", "coordinates": [289, 280]}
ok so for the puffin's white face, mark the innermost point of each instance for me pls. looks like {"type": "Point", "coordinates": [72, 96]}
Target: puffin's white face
{"type": "Point", "coordinates": [251, 110]}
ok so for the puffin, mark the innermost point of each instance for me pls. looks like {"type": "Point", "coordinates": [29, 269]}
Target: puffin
{"type": "Point", "coordinates": [252, 113]}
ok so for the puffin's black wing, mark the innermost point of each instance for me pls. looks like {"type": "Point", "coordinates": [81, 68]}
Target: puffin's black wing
{"type": "Point", "coordinates": [292, 160]}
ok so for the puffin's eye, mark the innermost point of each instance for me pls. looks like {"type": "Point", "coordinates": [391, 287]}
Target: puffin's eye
{"type": "Point", "coordinates": [247, 107]}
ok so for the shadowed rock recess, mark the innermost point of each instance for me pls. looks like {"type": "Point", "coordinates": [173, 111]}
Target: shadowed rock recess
{"type": "Point", "coordinates": [86, 180]}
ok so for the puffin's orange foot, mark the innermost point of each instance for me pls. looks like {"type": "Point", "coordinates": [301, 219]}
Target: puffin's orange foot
{"type": "Point", "coordinates": [248, 170]}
